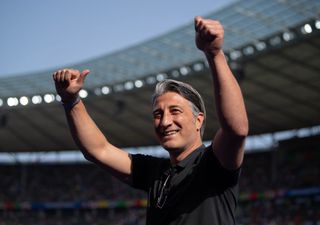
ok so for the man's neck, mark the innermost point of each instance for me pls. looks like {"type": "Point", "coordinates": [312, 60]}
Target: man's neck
{"type": "Point", "coordinates": [178, 156]}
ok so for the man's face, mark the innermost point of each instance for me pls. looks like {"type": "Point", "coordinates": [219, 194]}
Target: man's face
{"type": "Point", "coordinates": [177, 128]}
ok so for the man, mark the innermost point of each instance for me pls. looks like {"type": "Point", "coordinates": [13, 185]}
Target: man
{"type": "Point", "coordinates": [198, 184]}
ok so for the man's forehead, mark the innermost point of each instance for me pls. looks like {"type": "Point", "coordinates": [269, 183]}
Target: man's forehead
{"type": "Point", "coordinates": [170, 99]}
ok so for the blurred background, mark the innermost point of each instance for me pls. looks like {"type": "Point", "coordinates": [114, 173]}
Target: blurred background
{"type": "Point", "coordinates": [273, 48]}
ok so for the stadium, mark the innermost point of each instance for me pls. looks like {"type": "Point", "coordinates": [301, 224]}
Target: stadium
{"type": "Point", "coordinates": [273, 48]}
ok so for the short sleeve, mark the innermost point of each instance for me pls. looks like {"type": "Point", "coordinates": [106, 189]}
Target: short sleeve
{"type": "Point", "coordinates": [225, 177]}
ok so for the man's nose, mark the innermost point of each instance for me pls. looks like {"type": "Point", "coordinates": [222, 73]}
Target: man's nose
{"type": "Point", "coordinates": [166, 119]}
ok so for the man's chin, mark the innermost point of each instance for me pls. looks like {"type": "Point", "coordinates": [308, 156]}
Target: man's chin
{"type": "Point", "coordinates": [172, 149]}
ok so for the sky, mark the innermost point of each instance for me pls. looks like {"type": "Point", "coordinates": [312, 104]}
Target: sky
{"type": "Point", "coordinates": [39, 35]}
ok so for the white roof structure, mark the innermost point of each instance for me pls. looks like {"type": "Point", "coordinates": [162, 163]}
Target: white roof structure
{"type": "Point", "coordinates": [273, 48]}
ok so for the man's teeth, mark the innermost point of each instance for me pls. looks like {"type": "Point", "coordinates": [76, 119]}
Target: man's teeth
{"type": "Point", "coordinates": [167, 133]}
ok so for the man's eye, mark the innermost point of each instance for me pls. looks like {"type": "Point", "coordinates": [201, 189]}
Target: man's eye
{"type": "Point", "coordinates": [156, 115]}
{"type": "Point", "coordinates": [175, 111]}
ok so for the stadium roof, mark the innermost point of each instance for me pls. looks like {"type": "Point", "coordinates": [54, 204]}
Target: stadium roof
{"type": "Point", "coordinates": [273, 48]}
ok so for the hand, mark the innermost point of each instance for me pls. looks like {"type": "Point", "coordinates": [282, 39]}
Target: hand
{"type": "Point", "coordinates": [209, 35]}
{"type": "Point", "coordinates": [69, 82]}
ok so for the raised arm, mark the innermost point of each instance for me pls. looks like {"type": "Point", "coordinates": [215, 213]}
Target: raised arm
{"type": "Point", "coordinates": [93, 144]}
{"type": "Point", "coordinates": [228, 143]}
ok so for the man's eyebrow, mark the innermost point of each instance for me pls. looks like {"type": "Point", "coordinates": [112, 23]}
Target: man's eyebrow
{"type": "Point", "coordinates": [170, 107]}
{"type": "Point", "coordinates": [175, 106]}
{"type": "Point", "coordinates": [156, 110]}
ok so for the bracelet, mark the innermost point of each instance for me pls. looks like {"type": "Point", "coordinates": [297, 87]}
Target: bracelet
{"type": "Point", "coordinates": [70, 104]}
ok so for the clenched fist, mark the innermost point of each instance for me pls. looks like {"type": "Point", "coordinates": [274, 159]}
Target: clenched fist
{"type": "Point", "coordinates": [68, 83]}
{"type": "Point", "coordinates": [209, 35]}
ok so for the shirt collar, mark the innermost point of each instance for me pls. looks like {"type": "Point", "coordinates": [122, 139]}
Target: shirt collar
{"type": "Point", "coordinates": [190, 159]}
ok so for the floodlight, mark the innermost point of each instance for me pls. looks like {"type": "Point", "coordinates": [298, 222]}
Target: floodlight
{"type": "Point", "coordinates": [128, 85]}
{"type": "Point", "coordinates": [138, 83]}
{"type": "Point", "coordinates": [37, 99]}
{"type": "Point", "coordinates": [161, 76]}
{"type": "Point", "coordinates": [288, 36]}
{"type": "Point", "coordinates": [236, 54]}
{"type": "Point", "coordinates": [58, 98]}
{"type": "Point", "coordinates": [317, 24]}
{"type": "Point", "coordinates": [260, 45]}
{"type": "Point", "coordinates": [151, 80]}
{"type": "Point", "coordinates": [306, 29]}
{"type": "Point", "coordinates": [249, 50]}
{"type": "Point", "coordinates": [83, 93]}
{"type": "Point", "coordinates": [275, 41]}
{"type": "Point", "coordinates": [24, 100]}
{"type": "Point", "coordinates": [184, 70]}
{"type": "Point", "coordinates": [175, 73]}
{"type": "Point", "coordinates": [105, 90]}
{"type": "Point", "coordinates": [48, 98]}
{"type": "Point", "coordinates": [12, 101]}
{"type": "Point", "coordinates": [198, 67]}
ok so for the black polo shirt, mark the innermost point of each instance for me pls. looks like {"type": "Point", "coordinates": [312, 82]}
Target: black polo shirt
{"type": "Point", "coordinates": [196, 191]}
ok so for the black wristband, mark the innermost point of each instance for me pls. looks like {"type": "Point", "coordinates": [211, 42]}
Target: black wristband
{"type": "Point", "coordinates": [70, 104]}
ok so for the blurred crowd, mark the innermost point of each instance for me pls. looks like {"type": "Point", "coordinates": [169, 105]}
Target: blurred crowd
{"type": "Point", "coordinates": [281, 169]}
{"type": "Point", "coordinates": [74, 217]}
{"type": "Point", "coordinates": [61, 182]}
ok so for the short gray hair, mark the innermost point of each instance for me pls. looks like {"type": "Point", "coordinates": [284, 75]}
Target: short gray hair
{"type": "Point", "coordinates": [186, 91]}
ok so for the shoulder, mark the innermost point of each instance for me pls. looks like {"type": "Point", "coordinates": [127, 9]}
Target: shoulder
{"type": "Point", "coordinates": [211, 166]}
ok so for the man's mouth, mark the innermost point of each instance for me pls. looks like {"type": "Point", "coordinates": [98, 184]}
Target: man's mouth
{"type": "Point", "coordinates": [169, 133]}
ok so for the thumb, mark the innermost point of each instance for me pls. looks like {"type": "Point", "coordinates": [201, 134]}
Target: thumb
{"type": "Point", "coordinates": [197, 20]}
{"type": "Point", "coordinates": [83, 75]}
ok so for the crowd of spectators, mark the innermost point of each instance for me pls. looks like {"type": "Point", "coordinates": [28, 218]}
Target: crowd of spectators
{"type": "Point", "coordinates": [280, 169]}
{"type": "Point", "coordinates": [289, 166]}
{"type": "Point", "coordinates": [61, 182]}
{"type": "Point", "coordinates": [74, 217]}
{"type": "Point", "coordinates": [284, 211]}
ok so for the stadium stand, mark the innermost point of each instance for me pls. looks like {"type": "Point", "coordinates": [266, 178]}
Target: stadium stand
{"type": "Point", "coordinates": [278, 186]}
{"type": "Point", "coordinates": [276, 58]}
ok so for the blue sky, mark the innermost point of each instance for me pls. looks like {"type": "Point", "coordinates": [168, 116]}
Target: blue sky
{"type": "Point", "coordinates": [39, 35]}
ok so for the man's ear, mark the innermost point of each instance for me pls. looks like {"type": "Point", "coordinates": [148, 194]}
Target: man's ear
{"type": "Point", "coordinates": [199, 120]}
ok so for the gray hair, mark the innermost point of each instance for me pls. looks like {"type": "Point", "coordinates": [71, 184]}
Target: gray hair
{"type": "Point", "coordinates": [186, 91]}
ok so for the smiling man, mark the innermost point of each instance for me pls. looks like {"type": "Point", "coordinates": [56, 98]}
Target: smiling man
{"type": "Point", "coordinates": [177, 120]}
{"type": "Point", "coordinates": [198, 185]}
